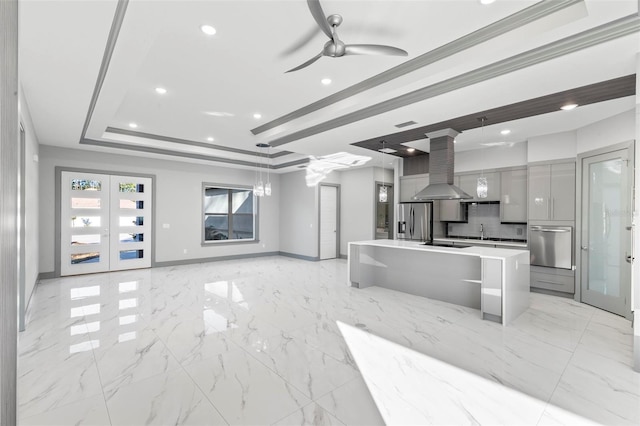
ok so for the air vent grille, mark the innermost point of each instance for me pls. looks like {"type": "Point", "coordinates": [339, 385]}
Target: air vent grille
{"type": "Point", "coordinates": [406, 124]}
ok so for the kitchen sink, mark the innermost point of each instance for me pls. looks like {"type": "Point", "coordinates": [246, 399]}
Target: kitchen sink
{"type": "Point", "coordinates": [445, 245]}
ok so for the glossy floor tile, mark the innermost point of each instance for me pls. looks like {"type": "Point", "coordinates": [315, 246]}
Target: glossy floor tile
{"type": "Point", "coordinates": [256, 342]}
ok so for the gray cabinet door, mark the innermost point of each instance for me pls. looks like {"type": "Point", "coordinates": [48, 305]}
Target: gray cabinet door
{"type": "Point", "coordinates": [513, 200]}
{"type": "Point", "coordinates": [539, 192]}
{"type": "Point", "coordinates": [469, 184]}
{"type": "Point", "coordinates": [450, 211]}
{"type": "Point", "coordinates": [563, 191]}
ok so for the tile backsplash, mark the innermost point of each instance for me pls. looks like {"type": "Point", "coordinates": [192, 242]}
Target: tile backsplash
{"type": "Point", "coordinates": [489, 216]}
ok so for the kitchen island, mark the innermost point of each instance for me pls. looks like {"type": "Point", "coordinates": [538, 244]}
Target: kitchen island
{"type": "Point", "coordinates": [494, 280]}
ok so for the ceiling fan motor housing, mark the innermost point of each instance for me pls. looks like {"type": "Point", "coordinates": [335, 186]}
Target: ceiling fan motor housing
{"type": "Point", "coordinates": [334, 48]}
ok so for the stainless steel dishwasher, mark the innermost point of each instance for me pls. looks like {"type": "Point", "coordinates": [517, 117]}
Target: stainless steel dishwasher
{"type": "Point", "coordinates": [551, 246]}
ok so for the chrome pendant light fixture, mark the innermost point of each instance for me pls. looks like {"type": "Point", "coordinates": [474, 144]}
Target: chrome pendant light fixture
{"type": "Point", "coordinates": [260, 189]}
{"type": "Point", "coordinates": [382, 193]}
{"type": "Point", "coordinates": [482, 188]}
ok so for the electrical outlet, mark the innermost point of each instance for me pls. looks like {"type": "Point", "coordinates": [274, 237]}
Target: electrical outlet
{"type": "Point", "coordinates": [519, 231]}
{"type": "Point", "coordinates": [185, 251]}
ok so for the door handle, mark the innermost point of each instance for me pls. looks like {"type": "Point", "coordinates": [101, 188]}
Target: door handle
{"type": "Point", "coordinates": [629, 258]}
{"type": "Point", "coordinates": [585, 248]}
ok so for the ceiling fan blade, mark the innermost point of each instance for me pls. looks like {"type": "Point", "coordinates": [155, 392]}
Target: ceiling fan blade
{"type": "Point", "coordinates": [301, 42]}
{"type": "Point", "coordinates": [306, 64]}
{"type": "Point", "coordinates": [373, 49]}
{"type": "Point", "coordinates": [320, 17]}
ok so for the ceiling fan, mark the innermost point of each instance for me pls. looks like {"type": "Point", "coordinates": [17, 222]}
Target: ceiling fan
{"type": "Point", "coordinates": [335, 47]}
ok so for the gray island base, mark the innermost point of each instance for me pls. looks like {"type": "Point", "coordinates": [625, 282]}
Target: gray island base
{"type": "Point", "coordinates": [493, 280]}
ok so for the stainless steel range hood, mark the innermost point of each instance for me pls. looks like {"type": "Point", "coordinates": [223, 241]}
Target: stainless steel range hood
{"type": "Point", "coordinates": [441, 160]}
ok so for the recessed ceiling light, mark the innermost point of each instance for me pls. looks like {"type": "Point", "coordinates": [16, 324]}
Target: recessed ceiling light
{"type": "Point", "coordinates": [455, 141]}
{"type": "Point", "coordinates": [218, 113]}
{"type": "Point", "coordinates": [505, 132]}
{"type": "Point", "coordinates": [325, 81]}
{"type": "Point", "coordinates": [410, 149]}
{"type": "Point", "coordinates": [486, 1]}
{"type": "Point", "coordinates": [208, 29]}
{"type": "Point", "coordinates": [210, 139]}
{"type": "Point", "coordinates": [257, 116]}
{"type": "Point", "coordinates": [568, 107]}
{"type": "Point", "coordinates": [133, 125]}
{"type": "Point", "coordinates": [161, 90]}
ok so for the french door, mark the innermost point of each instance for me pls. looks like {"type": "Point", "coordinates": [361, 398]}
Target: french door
{"type": "Point", "coordinates": [606, 232]}
{"type": "Point", "coordinates": [105, 223]}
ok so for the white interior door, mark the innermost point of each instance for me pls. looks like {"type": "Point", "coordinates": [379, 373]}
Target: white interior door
{"type": "Point", "coordinates": [606, 232]}
{"type": "Point", "coordinates": [328, 222]}
{"type": "Point", "coordinates": [105, 223]}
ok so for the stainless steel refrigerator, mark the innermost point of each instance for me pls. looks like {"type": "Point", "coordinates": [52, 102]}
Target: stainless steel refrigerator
{"type": "Point", "coordinates": [415, 221]}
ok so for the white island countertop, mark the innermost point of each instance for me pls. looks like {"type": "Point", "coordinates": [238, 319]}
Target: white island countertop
{"type": "Point", "coordinates": [483, 252]}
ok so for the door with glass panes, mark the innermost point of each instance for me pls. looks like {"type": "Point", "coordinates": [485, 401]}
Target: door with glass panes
{"type": "Point", "coordinates": [105, 223]}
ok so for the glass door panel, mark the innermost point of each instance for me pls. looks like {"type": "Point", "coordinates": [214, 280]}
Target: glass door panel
{"type": "Point", "coordinates": [130, 222]}
{"type": "Point", "coordinates": [606, 234]}
{"type": "Point", "coordinates": [84, 237]}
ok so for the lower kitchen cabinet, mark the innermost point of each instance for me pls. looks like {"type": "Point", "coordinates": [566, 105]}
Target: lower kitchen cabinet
{"type": "Point", "coordinates": [561, 280]}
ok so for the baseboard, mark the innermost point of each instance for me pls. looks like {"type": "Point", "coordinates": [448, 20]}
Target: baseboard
{"type": "Point", "coordinates": [212, 259]}
{"type": "Point", "coordinates": [46, 276]}
{"type": "Point", "coordinates": [551, 292]}
{"type": "Point", "coordinates": [299, 256]}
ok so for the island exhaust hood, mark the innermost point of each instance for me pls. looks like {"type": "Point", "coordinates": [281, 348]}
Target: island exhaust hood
{"type": "Point", "coordinates": [441, 159]}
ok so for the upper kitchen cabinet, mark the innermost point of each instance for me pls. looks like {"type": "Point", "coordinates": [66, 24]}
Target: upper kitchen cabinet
{"type": "Point", "coordinates": [513, 201]}
{"type": "Point", "coordinates": [469, 184]}
{"type": "Point", "coordinates": [411, 185]}
{"type": "Point", "coordinates": [552, 191]}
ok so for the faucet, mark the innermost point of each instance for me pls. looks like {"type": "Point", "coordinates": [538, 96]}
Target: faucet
{"type": "Point", "coordinates": [481, 231]}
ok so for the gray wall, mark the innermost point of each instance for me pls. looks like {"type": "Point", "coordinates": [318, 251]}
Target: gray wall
{"type": "Point", "coordinates": [9, 155]}
{"type": "Point", "coordinates": [298, 216]}
{"type": "Point", "coordinates": [32, 222]}
{"type": "Point", "coordinates": [358, 203]}
{"type": "Point", "coordinates": [178, 203]}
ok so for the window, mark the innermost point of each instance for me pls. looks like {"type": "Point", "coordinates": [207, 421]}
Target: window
{"type": "Point", "coordinates": [229, 214]}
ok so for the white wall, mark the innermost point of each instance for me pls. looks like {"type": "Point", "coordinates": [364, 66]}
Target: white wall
{"type": "Point", "coordinates": [178, 202]}
{"type": "Point", "coordinates": [610, 131]}
{"type": "Point", "coordinates": [298, 216]}
{"type": "Point", "coordinates": [555, 146]}
{"type": "Point", "coordinates": [357, 206]}
{"type": "Point", "coordinates": [491, 158]}
{"type": "Point", "coordinates": [32, 222]}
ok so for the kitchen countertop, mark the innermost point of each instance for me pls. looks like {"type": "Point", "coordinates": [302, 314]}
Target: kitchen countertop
{"type": "Point", "coordinates": [488, 242]}
{"type": "Point", "coordinates": [482, 252]}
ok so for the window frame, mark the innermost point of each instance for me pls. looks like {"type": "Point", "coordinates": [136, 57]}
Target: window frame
{"type": "Point", "coordinates": [255, 214]}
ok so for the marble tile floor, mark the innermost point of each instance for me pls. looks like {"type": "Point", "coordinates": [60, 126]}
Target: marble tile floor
{"type": "Point", "coordinates": [255, 342]}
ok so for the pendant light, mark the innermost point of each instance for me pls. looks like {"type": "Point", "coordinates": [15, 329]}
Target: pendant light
{"type": "Point", "coordinates": [261, 189]}
{"type": "Point", "coordinates": [382, 193]}
{"type": "Point", "coordinates": [482, 188]}
{"type": "Point", "coordinates": [267, 186]}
